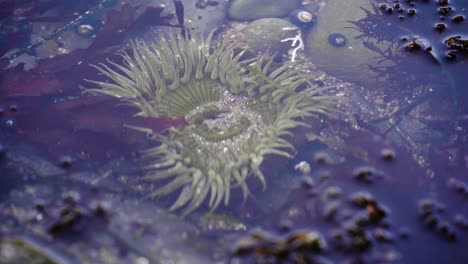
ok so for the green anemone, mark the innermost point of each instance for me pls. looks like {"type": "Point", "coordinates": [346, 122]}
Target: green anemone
{"type": "Point", "coordinates": [238, 111]}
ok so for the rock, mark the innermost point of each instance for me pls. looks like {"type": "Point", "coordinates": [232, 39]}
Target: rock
{"type": "Point", "coordinates": [255, 9]}
{"type": "Point", "coordinates": [303, 167]}
{"type": "Point", "coordinates": [332, 44]}
{"type": "Point", "coordinates": [265, 35]}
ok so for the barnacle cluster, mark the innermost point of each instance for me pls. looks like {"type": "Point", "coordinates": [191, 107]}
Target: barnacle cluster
{"type": "Point", "coordinates": [238, 110]}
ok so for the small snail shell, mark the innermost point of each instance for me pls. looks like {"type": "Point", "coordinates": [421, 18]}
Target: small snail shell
{"type": "Point", "coordinates": [302, 18]}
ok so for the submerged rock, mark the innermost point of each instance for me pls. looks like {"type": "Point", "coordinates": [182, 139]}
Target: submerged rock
{"type": "Point", "coordinates": [267, 35]}
{"type": "Point", "coordinates": [333, 46]}
{"type": "Point", "coordinates": [254, 9]}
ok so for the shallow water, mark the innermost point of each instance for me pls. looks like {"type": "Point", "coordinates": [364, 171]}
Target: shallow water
{"type": "Point", "coordinates": [71, 185]}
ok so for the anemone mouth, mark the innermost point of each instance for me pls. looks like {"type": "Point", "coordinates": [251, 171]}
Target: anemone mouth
{"type": "Point", "coordinates": [238, 111]}
{"type": "Point", "coordinates": [223, 124]}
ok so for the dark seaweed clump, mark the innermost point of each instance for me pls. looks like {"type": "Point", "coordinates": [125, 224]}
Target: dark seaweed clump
{"type": "Point", "coordinates": [436, 27]}
{"type": "Point", "coordinates": [421, 53]}
{"type": "Point", "coordinates": [71, 216]}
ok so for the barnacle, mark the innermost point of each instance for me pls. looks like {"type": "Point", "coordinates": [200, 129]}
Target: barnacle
{"type": "Point", "coordinates": [238, 111]}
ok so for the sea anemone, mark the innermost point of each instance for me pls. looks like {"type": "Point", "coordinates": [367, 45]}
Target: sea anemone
{"type": "Point", "coordinates": [238, 111]}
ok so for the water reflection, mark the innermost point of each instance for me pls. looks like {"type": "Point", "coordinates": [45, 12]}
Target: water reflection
{"type": "Point", "coordinates": [387, 175]}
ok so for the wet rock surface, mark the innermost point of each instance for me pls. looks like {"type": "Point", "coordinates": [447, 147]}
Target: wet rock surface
{"type": "Point", "coordinates": [90, 216]}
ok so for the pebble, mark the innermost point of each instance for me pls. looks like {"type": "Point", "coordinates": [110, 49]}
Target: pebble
{"type": "Point", "coordinates": [303, 167]}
